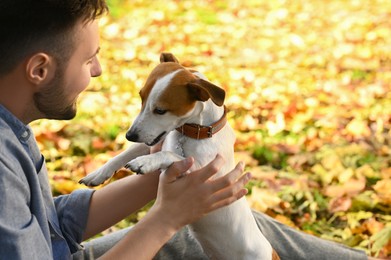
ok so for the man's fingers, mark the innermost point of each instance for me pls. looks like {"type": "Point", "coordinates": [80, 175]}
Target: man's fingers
{"type": "Point", "coordinates": [229, 200]}
{"type": "Point", "coordinates": [229, 178]}
{"type": "Point", "coordinates": [233, 191]}
{"type": "Point", "coordinates": [177, 169]}
{"type": "Point", "coordinates": [211, 168]}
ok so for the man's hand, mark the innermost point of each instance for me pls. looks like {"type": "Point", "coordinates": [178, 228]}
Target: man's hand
{"type": "Point", "coordinates": [184, 200]}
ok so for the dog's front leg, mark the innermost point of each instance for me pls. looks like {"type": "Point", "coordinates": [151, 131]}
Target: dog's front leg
{"type": "Point", "coordinates": [108, 169]}
{"type": "Point", "coordinates": [152, 162]}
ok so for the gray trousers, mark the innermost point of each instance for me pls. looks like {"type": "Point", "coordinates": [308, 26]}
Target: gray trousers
{"type": "Point", "coordinates": [289, 243]}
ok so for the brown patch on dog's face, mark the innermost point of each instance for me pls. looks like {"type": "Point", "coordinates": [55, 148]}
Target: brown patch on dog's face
{"type": "Point", "coordinates": [158, 72]}
{"type": "Point", "coordinates": [175, 97]}
{"type": "Point", "coordinates": [179, 92]}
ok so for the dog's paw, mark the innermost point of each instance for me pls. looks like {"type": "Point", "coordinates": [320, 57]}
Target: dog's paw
{"type": "Point", "coordinates": [96, 178]}
{"type": "Point", "coordinates": [142, 165]}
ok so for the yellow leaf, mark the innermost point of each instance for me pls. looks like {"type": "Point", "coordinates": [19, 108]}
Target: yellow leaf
{"type": "Point", "coordinates": [383, 190]}
{"type": "Point", "coordinates": [277, 126]}
{"type": "Point", "coordinates": [64, 186]}
{"type": "Point", "coordinates": [358, 128]}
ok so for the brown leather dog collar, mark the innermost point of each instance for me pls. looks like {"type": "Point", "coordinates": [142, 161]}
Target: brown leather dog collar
{"type": "Point", "coordinates": [202, 132]}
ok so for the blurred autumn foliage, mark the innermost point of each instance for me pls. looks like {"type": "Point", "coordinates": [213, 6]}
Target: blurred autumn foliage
{"type": "Point", "coordinates": [308, 89]}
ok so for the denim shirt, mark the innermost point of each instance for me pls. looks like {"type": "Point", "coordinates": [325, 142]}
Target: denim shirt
{"type": "Point", "coordinates": [33, 224]}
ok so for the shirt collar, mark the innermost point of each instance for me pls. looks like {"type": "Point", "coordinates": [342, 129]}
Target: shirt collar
{"type": "Point", "coordinates": [21, 130]}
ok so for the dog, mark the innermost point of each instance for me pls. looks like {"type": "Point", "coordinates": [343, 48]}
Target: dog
{"type": "Point", "coordinates": [181, 107]}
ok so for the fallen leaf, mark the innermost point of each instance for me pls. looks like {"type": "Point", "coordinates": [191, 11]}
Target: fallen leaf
{"type": "Point", "coordinates": [351, 188]}
{"type": "Point", "coordinates": [340, 204]}
{"type": "Point", "coordinates": [383, 190]}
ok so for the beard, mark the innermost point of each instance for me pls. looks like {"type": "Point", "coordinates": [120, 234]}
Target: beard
{"type": "Point", "coordinates": [52, 101]}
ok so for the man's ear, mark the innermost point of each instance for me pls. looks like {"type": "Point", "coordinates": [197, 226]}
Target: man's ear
{"type": "Point", "coordinates": [40, 68]}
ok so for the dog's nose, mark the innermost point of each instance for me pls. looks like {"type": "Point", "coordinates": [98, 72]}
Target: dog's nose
{"type": "Point", "coordinates": [131, 136]}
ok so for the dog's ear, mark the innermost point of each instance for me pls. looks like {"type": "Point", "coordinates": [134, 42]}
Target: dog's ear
{"type": "Point", "coordinates": [202, 90]}
{"type": "Point", "coordinates": [168, 57]}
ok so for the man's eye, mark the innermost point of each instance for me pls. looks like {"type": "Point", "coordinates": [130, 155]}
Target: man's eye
{"type": "Point", "coordinates": [159, 111]}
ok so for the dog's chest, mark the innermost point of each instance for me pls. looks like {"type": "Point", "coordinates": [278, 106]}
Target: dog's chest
{"type": "Point", "coordinates": [177, 143]}
{"type": "Point", "coordinates": [203, 150]}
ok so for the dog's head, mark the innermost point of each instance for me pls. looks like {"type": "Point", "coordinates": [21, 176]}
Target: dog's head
{"type": "Point", "coordinates": [169, 99]}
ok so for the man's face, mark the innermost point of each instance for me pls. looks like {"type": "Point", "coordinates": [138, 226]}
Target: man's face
{"type": "Point", "coordinates": [58, 99]}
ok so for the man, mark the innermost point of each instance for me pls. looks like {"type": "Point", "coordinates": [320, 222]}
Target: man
{"type": "Point", "coordinates": [48, 54]}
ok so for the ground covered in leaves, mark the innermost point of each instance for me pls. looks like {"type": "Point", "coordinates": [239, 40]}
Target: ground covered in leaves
{"type": "Point", "coordinates": [308, 91]}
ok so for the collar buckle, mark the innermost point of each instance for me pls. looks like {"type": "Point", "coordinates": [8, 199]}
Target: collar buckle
{"type": "Point", "coordinates": [210, 131]}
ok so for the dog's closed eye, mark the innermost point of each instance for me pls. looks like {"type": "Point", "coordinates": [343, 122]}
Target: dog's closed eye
{"type": "Point", "coordinates": [159, 111]}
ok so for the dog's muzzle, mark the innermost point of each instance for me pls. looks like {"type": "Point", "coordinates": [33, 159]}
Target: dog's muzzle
{"type": "Point", "coordinates": [134, 137]}
{"type": "Point", "coordinates": [131, 136]}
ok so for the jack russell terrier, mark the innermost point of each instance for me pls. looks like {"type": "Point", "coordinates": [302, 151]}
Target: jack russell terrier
{"type": "Point", "coordinates": [185, 110]}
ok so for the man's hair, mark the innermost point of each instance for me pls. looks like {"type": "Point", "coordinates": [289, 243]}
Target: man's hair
{"type": "Point", "coordinates": [31, 26]}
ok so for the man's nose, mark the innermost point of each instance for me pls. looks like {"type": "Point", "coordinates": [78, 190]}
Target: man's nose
{"type": "Point", "coordinates": [96, 69]}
